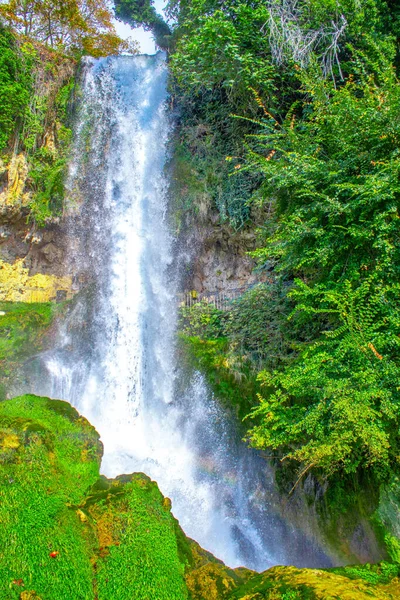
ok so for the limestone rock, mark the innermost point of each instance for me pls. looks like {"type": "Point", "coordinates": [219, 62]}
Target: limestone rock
{"type": "Point", "coordinates": [18, 286]}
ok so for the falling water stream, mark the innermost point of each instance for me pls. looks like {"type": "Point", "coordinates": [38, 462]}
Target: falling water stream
{"type": "Point", "coordinates": [115, 358]}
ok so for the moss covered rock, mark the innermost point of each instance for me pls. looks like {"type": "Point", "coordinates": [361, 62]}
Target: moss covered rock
{"type": "Point", "coordinates": [49, 457]}
{"type": "Point", "coordinates": [137, 551]}
{"type": "Point", "coordinates": [217, 582]}
{"type": "Point", "coordinates": [289, 583]}
{"type": "Point", "coordinates": [69, 534]}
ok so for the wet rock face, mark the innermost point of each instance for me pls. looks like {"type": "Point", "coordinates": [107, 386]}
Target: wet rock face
{"type": "Point", "coordinates": [217, 256]}
{"type": "Point", "coordinates": [52, 253]}
{"type": "Point", "coordinates": [347, 535]}
{"type": "Point", "coordinates": [43, 251]}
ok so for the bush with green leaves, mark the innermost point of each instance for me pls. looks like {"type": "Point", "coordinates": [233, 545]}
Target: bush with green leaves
{"type": "Point", "coordinates": [337, 228]}
{"type": "Point", "coordinates": [15, 86]}
{"type": "Point", "coordinates": [325, 161]}
{"type": "Point", "coordinates": [41, 132]}
{"type": "Point", "coordinates": [244, 58]}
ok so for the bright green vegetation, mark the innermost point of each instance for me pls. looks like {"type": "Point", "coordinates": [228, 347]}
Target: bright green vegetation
{"type": "Point", "coordinates": [49, 457]}
{"type": "Point", "coordinates": [376, 574]}
{"type": "Point", "coordinates": [231, 346]}
{"type": "Point", "coordinates": [68, 533]}
{"type": "Point", "coordinates": [47, 145]}
{"type": "Point", "coordinates": [139, 553]}
{"type": "Point", "coordinates": [15, 86]}
{"type": "Point", "coordinates": [300, 147]}
{"type": "Point", "coordinates": [35, 89]}
{"type": "Point", "coordinates": [22, 330]}
{"type": "Point", "coordinates": [337, 232]}
{"type": "Point", "coordinates": [230, 377]}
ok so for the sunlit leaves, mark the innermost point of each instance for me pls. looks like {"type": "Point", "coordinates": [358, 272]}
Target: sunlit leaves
{"type": "Point", "coordinates": [335, 180]}
{"type": "Point", "coordinates": [74, 25]}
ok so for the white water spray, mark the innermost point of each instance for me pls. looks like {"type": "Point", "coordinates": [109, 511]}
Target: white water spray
{"type": "Point", "coordinates": [116, 362]}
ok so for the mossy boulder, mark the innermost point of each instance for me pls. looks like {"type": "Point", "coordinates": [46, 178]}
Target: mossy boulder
{"type": "Point", "coordinates": [217, 582]}
{"type": "Point", "coordinates": [68, 533]}
{"type": "Point", "coordinates": [289, 583]}
{"type": "Point", "coordinates": [49, 457]}
{"type": "Point", "coordinates": [136, 545]}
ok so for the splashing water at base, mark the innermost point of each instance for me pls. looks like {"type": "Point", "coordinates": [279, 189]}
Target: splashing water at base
{"type": "Point", "coordinates": [116, 361]}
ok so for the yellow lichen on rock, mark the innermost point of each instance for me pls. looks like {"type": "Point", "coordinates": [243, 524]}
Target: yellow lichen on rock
{"type": "Point", "coordinates": [278, 582]}
{"type": "Point", "coordinates": [211, 581]}
{"type": "Point", "coordinates": [14, 194]}
{"type": "Point", "coordinates": [10, 441]}
{"type": "Point", "coordinates": [215, 581]}
{"type": "Point", "coordinates": [29, 595]}
{"type": "Point", "coordinates": [16, 285]}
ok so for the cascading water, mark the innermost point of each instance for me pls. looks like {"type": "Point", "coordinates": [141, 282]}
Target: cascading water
{"type": "Point", "coordinates": [115, 360]}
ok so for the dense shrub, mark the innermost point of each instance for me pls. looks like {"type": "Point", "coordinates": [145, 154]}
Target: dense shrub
{"type": "Point", "coordinates": [15, 86]}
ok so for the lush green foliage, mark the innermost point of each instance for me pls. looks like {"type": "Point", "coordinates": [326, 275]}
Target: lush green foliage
{"type": "Point", "coordinates": [47, 144]}
{"type": "Point", "coordinates": [337, 226]}
{"type": "Point", "coordinates": [223, 48]}
{"type": "Point", "coordinates": [319, 135]}
{"type": "Point", "coordinates": [15, 86]}
{"type": "Point", "coordinates": [35, 90]}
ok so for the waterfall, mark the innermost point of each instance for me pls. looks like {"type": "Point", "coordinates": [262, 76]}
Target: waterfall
{"type": "Point", "coordinates": [115, 359]}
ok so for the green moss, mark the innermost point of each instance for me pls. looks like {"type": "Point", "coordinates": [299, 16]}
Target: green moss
{"type": "Point", "coordinates": [68, 533]}
{"type": "Point", "coordinates": [217, 582]}
{"type": "Point", "coordinates": [139, 554]}
{"type": "Point", "coordinates": [188, 191]}
{"type": "Point", "coordinates": [386, 519]}
{"type": "Point", "coordinates": [232, 380]}
{"type": "Point", "coordinates": [382, 572]}
{"type": "Point", "coordinates": [289, 583]}
{"type": "Point", "coordinates": [48, 458]}
{"type": "Point", "coordinates": [20, 325]}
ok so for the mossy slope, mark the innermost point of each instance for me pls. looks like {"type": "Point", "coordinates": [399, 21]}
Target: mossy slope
{"type": "Point", "coordinates": [49, 457]}
{"type": "Point", "coordinates": [67, 533]}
